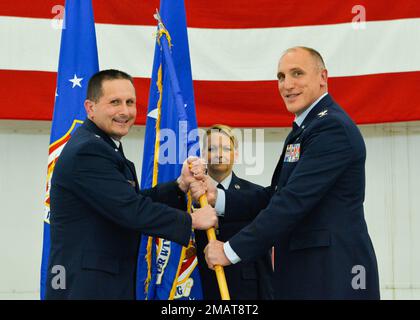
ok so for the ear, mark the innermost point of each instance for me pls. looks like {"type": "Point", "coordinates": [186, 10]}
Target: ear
{"type": "Point", "coordinates": [89, 107]}
{"type": "Point", "coordinates": [324, 77]}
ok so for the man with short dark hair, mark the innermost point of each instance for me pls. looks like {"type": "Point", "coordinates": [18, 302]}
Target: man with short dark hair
{"type": "Point", "coordinates": [313, 211]}
{"type": "Point", "coordinates": [95, 90]}
{"type": "Point", "coordinates": [97, 208]}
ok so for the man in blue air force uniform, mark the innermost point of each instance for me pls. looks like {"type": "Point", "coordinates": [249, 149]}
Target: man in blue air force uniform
{"type": "Point", "coordinates": [97, 209]}
{"type": "Point", "coordinates": [313, 210]}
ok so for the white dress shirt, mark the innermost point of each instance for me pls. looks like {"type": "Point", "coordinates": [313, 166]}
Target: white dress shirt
{"type": "Point", "coordinates": [220, 210]}
{"type": "Point", "coordinates": [117, 142]}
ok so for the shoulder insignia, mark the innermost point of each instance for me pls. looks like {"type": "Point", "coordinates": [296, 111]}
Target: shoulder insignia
{"type": "Point", "coordinates": [323, 113]}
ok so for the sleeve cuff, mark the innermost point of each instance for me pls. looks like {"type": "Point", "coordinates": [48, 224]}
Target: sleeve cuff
{"type": "Point", "coordinates": [230, 254]}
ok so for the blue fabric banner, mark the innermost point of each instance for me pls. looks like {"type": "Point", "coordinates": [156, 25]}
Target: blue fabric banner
{"type": "Point", "coordinates": [166, 270]}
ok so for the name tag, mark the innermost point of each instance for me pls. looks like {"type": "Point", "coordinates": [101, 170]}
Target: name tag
{"type": "Point", "coordinates": [292, 153]}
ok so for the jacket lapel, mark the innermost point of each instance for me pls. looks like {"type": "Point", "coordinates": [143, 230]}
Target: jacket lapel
{"type": "Point", "coordinates": [234, 182]}
{"type": "Point", "coordinates": [133, 172]}
{"type": "Point", "coordinates": [322, 105]}
{"type": "Point", "coordinates": [92, 127]}
{"type": "Point", "coordinates": [290, 137]}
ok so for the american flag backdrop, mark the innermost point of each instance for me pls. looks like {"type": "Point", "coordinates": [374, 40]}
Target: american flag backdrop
{"type": "Point", "coordinates": [371, 49]}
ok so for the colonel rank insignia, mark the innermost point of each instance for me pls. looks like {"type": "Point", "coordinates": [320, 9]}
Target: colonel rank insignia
{"type": "Point", "coordinates": [292, 153]}
{"type": "Point", "coordinates": [323, 113]}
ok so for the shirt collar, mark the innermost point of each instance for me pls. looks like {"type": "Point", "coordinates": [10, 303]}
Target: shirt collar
{"type": "Point", "coordinates": [225, 182]}
{"type": "Point", "coordinates": [117, 142]}
{"type": "Point", "coordinates": [300, 118]}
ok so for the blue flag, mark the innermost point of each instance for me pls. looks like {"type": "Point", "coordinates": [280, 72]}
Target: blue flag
{"type": "Point", "coordinates": [167, 270]}
{"type": "Point", "coordinates": [78, 62]}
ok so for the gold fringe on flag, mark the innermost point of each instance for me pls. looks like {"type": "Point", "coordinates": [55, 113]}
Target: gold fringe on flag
{"type": "Point", "coordinates": [148, 256]}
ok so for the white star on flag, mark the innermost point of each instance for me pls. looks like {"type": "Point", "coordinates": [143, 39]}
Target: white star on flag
{"type": "Point", "coordinates": [153, 114]}
{"type": "Point", "coordinates": [76, 81]}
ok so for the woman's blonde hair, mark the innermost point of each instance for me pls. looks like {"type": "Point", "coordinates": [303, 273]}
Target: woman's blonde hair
{"type": "Point", "coordinates": [226, 130]}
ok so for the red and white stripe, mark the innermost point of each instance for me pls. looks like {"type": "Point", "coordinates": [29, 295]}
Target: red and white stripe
{"type": "Point", "coordinates": [234, 45]}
